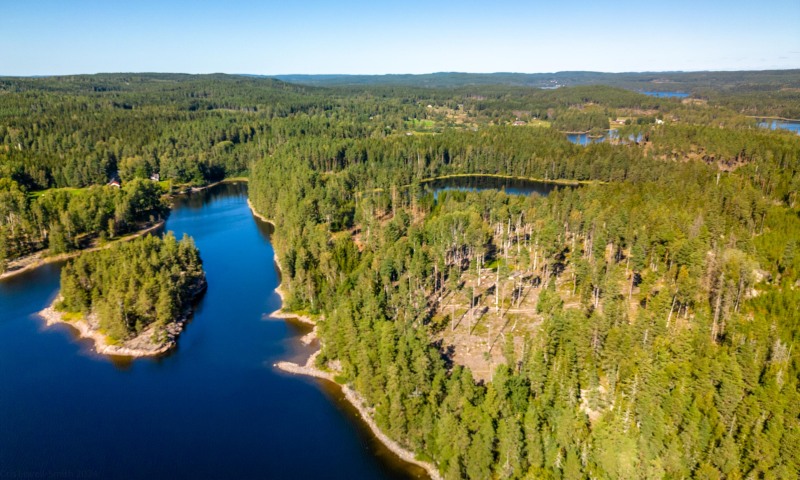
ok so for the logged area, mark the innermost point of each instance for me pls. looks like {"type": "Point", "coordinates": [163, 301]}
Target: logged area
{"type": "Point", "coordinates": [636, 318]}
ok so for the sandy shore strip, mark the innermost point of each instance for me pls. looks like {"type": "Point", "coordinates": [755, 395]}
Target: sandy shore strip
{"type": "Point", "coordinates": [36, 260]}
{"type": "Point", "coordinates": [358, 402]}
{"type": "Point", "coordinates": [101, 345]}
{"type": "Point", "coordinates": [280, 313]}
{"type": "Point", "coordinates": [141, 345]}
{"type": "Point", "coordinates": [214, 184]}
{"type": "Point", "coordinates": [351, 395]}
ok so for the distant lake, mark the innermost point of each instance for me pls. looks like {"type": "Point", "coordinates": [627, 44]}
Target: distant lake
{"type": "Point", "coordinates": [772, 124]}
{"type": "Point", "coordinates": [475, 183]}
{"type": "Point", "coordinates": [665, 94]}
{"type": "Point", "coordinates": [585, 138]}
{"type": "Point", "coordinates": [215, 408]}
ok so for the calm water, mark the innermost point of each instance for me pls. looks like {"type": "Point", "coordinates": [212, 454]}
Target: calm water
{"type": "Point", "coordinates": [791, 125]}
{"type": "Point", "coordinates": [479, 182]}
{"type": "Point", "coordinates": [666, 94]}
{"type": "Point", "coordinates": [215, 408]}
{"type": "Point", "coordinates": [584, 138]}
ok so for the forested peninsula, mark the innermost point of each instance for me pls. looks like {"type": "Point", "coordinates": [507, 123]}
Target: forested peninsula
{"type": "Point", "coordinates": [57, 223]}
{"type": "Point", "coordinates": [640, 321]}
{"type": "Point", "coordinates": [132, 299]}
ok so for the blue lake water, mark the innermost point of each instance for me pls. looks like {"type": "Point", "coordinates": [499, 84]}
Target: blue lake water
{"type": "Point", "coordinates": [213, 409]}
{"type": "Point", "coordinates": [791, 125]}
{"type": "Point", "coordinates": [586, 139]}
{"type": "Point", "coordinates": [475, 183]}
{"type": "Point", "coordinates": [665, 94]}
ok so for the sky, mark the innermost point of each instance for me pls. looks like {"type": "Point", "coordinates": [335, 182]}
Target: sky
{"type": "Point", "coordinates": [375, 37]}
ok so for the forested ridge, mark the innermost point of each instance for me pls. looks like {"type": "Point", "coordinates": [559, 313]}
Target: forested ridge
{"type": "Point", "coordinates": [642, 325]}
{"type": "Point", "coordinates": [683, 374]}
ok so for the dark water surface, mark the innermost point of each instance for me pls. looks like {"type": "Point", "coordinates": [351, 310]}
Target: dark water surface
{"type": "Point", "coordinates": [475, 183]}
{"type": "Point", "coordinates": [215, 408]}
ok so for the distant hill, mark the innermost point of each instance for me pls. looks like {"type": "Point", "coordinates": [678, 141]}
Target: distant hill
{"type": "Point", "coordinates": [656, 81]}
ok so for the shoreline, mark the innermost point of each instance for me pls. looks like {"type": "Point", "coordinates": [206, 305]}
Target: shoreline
{"type": "Point", "coordinates": [309, 369]}
{"type": "Point", "coordinates": [760, 117]}
{"type": "Point", "coordinates": [40, 260]}
{"type": "Point", "coordinates": [100, 341]}
{"type": "Point", "coordinates": [214, 184]}
{"type": "Point", "coordinates": [101, 346]}
{"type": "Point", "coordinates": [280, 313]}
{"type": "Point", "coordinates": [87, 329]}
{"type": "Point", "coordinates": [557, 181]}
{"type": "Point", "coordinates": [355, 399]}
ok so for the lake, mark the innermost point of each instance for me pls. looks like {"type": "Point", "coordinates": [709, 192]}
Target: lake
{"type": "Point", "coordinates": [586, 139]}
{"type": "Point", "coordinates": [474, 183]}
{"type": "Point", "coordinates": [665, 94]}
{"type": "Point", "coordinates": [772, 124]}
{"type": "Point", "coordinates": [214, 408]}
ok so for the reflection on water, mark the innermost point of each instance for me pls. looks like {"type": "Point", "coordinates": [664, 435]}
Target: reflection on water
{"type": "Point", "coordinates": [585, 138]}
{"type": "Point", "coordinates": [474, 183]}
{"type": "Point", "coordinates": [612, 134]}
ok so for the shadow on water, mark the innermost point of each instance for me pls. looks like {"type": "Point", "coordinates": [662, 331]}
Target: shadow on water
{"type": "Point", "coordinates": [476, 183]}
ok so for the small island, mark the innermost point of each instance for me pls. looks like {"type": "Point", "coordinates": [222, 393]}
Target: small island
{"type": "Point", "coordinates": [132, 299]}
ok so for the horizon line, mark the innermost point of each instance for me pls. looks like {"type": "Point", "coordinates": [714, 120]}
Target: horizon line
{"type": "Point", "coordinates": [401, 74]}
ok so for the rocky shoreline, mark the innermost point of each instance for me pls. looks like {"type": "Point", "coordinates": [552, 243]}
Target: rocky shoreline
{"type": "Point", "coordinates": [140, 346]}
{"type": "Point", "coordinates": [310, 369]}
{"type": "Point", "coordinates": [358, 402]}
{"type": "Point", "coordinates": [280, 313]}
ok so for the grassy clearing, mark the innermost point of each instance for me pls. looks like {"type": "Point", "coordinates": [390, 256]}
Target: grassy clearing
{"type": "Point", "coordinates": [71, 316]}
{"type": "Point", "coordinates": [39, 193]}
{"type": "Point", "coordinates": [421, 124]}
{"type": "Point", "coordinates": [538, 123]}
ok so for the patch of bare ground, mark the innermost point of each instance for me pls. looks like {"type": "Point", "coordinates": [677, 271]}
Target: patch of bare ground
{"type": "Point", "coordinates": [694, 101]}
{"type": "Point", "coordinates": [478, 337]}
{"type": "Point", "coordinates": [637, 112]}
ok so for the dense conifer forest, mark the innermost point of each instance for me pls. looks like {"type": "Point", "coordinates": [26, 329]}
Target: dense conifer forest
{"type": "Point", "coordinates": [134, 285]}
{"type": "Point", "coordinates": [640, 325]}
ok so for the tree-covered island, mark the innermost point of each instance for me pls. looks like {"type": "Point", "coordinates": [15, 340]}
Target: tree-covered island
{"type": "Point", "coordinates": [134, 298]}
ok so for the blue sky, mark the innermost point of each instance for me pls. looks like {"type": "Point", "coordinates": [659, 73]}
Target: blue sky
{"type": "Point", "coordinates": [373, 37]}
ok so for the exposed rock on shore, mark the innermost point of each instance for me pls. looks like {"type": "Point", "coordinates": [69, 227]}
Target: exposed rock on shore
{"type": "Point", "coordinates": [147, 344]}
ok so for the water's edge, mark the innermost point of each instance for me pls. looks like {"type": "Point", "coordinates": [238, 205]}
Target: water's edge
{"type": "Point", "coordinates": [309, 369]}
{"type": "Point", "coordinates": [46, 407]}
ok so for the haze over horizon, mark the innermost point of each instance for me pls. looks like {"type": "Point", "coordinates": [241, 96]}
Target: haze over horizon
{"type": "Point", "coordinates": [356, 37]}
